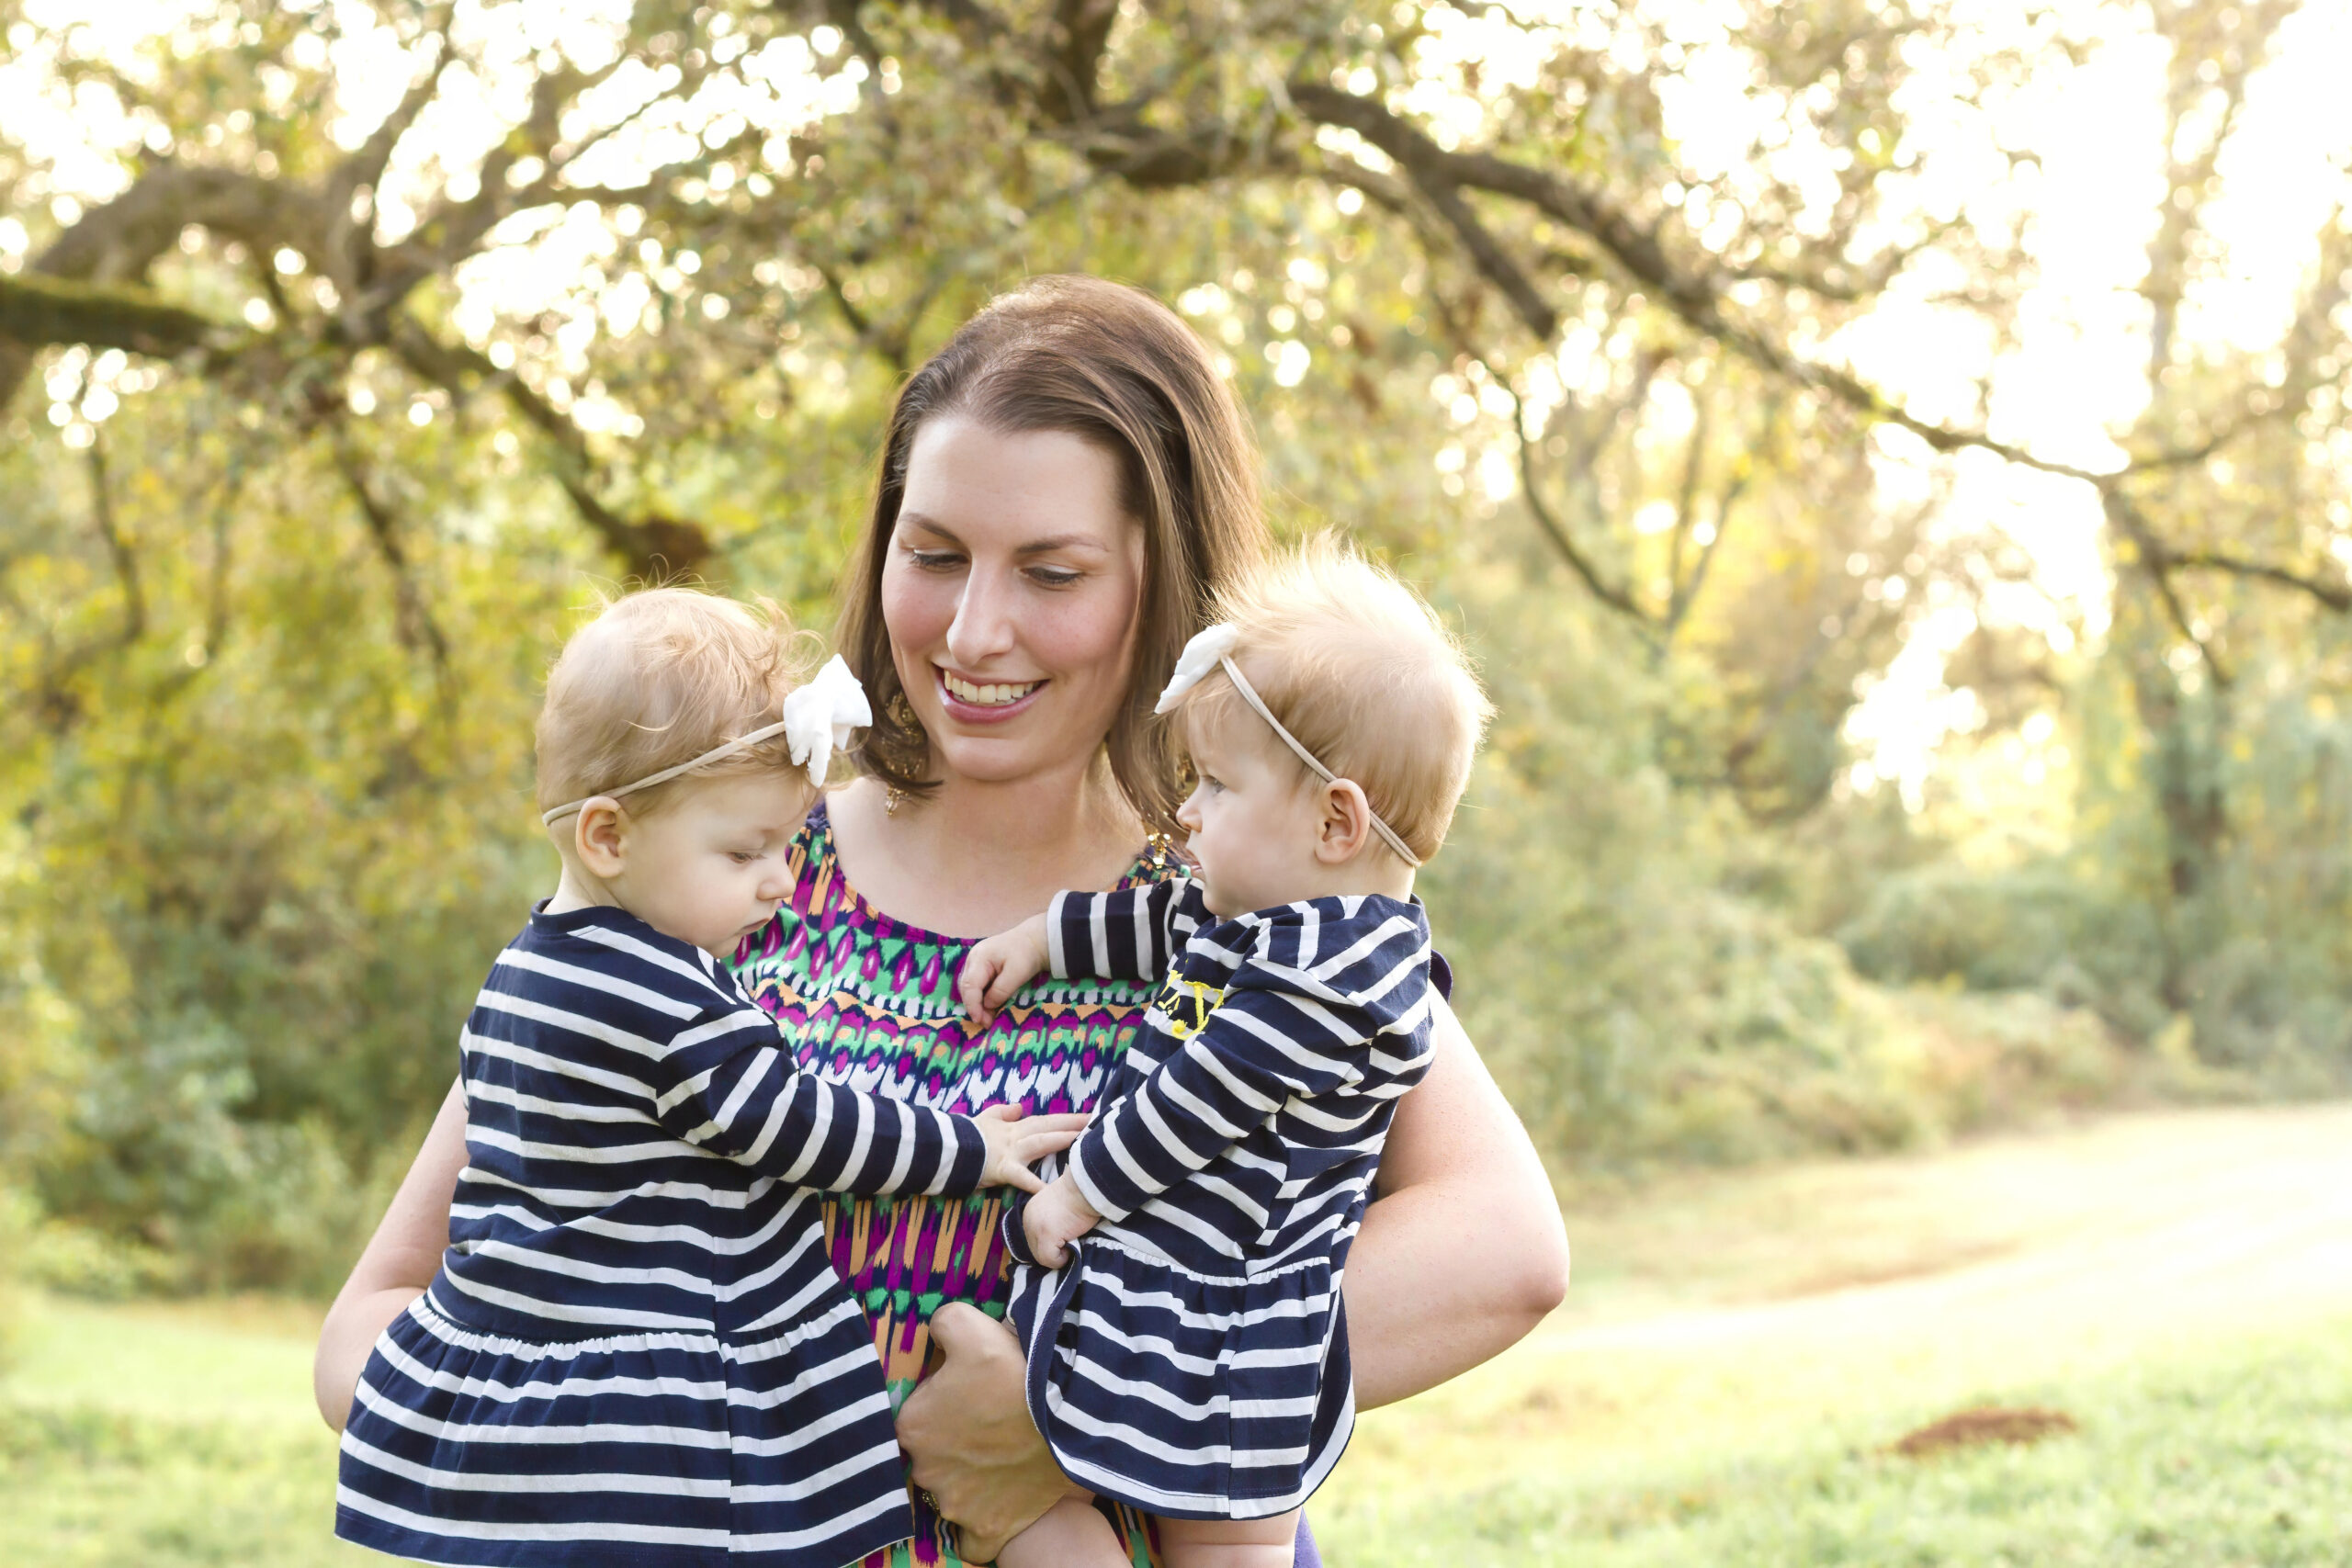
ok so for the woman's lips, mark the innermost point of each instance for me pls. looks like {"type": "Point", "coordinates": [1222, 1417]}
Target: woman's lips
{"type": "Point", "coordinates": [984, 702]}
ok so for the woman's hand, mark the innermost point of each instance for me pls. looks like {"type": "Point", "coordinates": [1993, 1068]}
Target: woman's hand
{"type": "Point", "coordinates": [401, 1260]}
{"type": "Point", "coordinates": [1463, 1252]}
{"type": "Point", "coordinates": [966, 1426]}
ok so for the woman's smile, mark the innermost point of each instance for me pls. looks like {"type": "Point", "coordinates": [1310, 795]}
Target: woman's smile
{"type": "Point", "coordinates": [968, 701]}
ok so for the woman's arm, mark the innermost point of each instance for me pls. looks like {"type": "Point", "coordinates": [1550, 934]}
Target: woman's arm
{"type": "Point", "coordinates": [1463, 1252]}
{"type": "Point", "coordinates": [1461, 1256]}
{"type": "Point", "coordinates": [399, 1261]}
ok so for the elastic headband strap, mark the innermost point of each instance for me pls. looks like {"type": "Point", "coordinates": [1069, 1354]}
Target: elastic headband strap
{"type": "Point", "coordinates": [726, 749]}
{"type": "Point", "coordinates": [1249, 696]}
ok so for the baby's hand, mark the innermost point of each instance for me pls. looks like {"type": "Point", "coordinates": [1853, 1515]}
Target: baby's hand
{"type": "Point", "coordinates": [1055, 1218]}
{"type": "Point", "coordinates": [999, 965]}
{"type": "Point", "coordinates": [1015, 1141]}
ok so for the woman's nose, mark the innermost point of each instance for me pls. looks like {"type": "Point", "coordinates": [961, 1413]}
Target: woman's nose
{"type": "Point", "coordinates": [983, 626]}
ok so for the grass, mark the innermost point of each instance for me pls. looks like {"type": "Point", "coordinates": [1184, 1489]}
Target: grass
{"type": "Point", "coordinates": [1739, 1355]}
{"type": "Point", "coordinates": [2231, 1453]}
{"type": "Point", "coordinates": [166, 1435]}
{"type": "Point", "coordinates": [1741, 1350]}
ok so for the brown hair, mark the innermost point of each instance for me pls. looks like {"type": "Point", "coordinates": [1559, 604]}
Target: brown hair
{"type": "Point", "coordinates": [1360, 669]}
{"type": "Point", "coordinates": [657, 679]}
{"type": "Point", "coordinates": [1116, 367]}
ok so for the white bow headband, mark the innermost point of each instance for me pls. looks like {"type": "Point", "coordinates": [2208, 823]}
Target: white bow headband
{"type": "Point", "coordinates": [817, 721]}
{"type": "Point", "coordinates": [1213, 649]}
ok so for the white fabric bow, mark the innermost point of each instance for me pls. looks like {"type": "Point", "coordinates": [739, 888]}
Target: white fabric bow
{"type": "Point", "coordinates": [818, 717]}
{"type": "Point", "coordinates": [1201, 655]}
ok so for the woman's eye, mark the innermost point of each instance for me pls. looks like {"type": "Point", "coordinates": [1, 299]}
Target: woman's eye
{"type": "Point", "coordinates": [1053, 576]}
{"type": "Point", "coordinates": [934, 560]}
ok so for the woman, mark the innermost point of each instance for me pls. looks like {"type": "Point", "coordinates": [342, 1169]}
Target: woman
{"type": "Point", "coordinates": [1062, 485]}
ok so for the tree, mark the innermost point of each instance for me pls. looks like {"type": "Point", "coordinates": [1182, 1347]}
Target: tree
{"type": "Point", "coordinates": [373, 329]}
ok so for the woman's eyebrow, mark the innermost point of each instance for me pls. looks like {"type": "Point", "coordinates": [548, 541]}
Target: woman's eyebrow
{"type": "Point", "coordinates": [928, 524]}
{"type": "Point", "coordinates": [1064, 542]}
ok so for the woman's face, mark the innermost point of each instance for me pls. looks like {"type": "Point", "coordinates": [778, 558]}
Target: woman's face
{"type": "Point", "coordinates": [1010, 594]}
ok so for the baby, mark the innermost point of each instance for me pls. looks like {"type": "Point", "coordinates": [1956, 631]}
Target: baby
{"type": "Point", "coordinates": [1189, 1355]}
{"type": "Point", "coordinates": [635, 1348]}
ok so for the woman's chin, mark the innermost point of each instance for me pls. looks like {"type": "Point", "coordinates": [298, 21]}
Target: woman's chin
{"type": "Point", "coordinates": [996, 759]}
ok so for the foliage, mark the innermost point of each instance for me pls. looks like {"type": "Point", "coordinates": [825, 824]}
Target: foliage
{"type": "Point", "coordinates": [354, 344]}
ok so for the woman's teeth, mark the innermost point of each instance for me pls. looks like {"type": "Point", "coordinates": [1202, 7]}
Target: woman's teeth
{"type": "Point", "coordinates": [987, 696]}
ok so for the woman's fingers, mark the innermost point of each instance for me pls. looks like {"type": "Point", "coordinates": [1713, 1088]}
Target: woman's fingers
{"type": "Point", "coordinates": [967, 1428]}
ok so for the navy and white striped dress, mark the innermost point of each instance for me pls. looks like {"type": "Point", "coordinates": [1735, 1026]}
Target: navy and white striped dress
{"type": "Point", "coordinates": [1192, 1359]}
{"type": "Point", "coordinates": [636, 1350]}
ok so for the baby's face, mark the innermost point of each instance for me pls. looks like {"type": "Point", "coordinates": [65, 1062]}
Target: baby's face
{"type": "Point", "coordinates": [1254, 819]}
{"type": "Point", "coordinates": [708, 867]}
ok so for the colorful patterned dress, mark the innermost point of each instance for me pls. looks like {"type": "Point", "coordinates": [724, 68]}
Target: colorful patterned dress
{"type": "Point", "coordinates": [870, 1001]}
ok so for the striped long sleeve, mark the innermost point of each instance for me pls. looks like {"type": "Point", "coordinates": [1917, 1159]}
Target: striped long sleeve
{"type": "Point", "coordinates": [1306, 1009]}
{"type": "Point", "coordinates": [1133, 933]}
{"type": "Point", "coordinates": [737, 1093]}
{"type": "Point", "coordinates": [724, 1083]}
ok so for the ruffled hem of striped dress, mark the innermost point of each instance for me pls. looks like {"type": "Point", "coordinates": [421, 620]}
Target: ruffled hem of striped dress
{"type": "Point", "coordinates": [625, 1450]}
{"type": "Point", "coordinates": [1184, 1395]}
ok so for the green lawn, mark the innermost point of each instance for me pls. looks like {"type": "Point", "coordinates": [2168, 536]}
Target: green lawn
{"type": "Point", "coordinates": [1739, 1354]}
{"type": "Point", "coordinates": [166, 1435]}
{"type": "Point", "coordinates": [2232, 1452]}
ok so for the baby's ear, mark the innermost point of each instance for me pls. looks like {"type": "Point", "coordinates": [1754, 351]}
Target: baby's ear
{"type": "Point", "coordinates": [598, 836]}
{"type": "Point", "coordinates": [1346, 824]}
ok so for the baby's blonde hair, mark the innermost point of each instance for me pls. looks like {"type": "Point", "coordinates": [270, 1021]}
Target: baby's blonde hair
{"type": "Point", "coordinates": [658, 678]}
{"type": "Point", "coordinates": [1358, 668]}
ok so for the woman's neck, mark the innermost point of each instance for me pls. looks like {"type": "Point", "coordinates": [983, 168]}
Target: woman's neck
{"type": "Point", "coordinates": [979, 856]}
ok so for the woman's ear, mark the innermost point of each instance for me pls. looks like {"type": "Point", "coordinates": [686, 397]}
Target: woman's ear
{"type": "Point", "coordinates": [1346, 823]}
{"type": "Point", "coordinates": [601, 837]}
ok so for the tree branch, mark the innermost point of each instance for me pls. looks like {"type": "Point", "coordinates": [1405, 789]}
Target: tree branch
{"type": "Point", "coordinates": [37, 311]}
{"type": "Point", "coordinates": [2336, 596]}
{"type": "Point", "coordinates": [411, 620]}
{"type": "Point", "coordinates": [655, 548]}
{"type": "Point", "coordinates": [2158, 562]}
{"type": "Point", "coordinates": [1080, 31]}
{"type": "Point", "coordinates": [126, 563]}
{"type": "Point", "coordinates": [1588, 573]}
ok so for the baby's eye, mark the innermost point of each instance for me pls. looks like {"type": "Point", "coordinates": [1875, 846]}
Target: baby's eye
{"type": "Point", "coordinates": [742, 857]}
{"type": "Point", "coordinates": [1213, 783]}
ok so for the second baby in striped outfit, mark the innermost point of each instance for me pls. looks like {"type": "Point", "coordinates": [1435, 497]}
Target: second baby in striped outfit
{"type": "Point", "coordinates": [1178, 1293]}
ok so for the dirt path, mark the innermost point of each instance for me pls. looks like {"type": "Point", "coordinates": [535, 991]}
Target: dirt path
{"type": "Point", "coordinates": [1846, 1302]}
{"type": "Point", "coordinates": [2158, 1221]}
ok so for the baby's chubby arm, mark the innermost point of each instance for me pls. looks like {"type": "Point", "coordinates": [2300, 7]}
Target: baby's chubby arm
{"type": "Point", "coordinates": [999, 965]}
